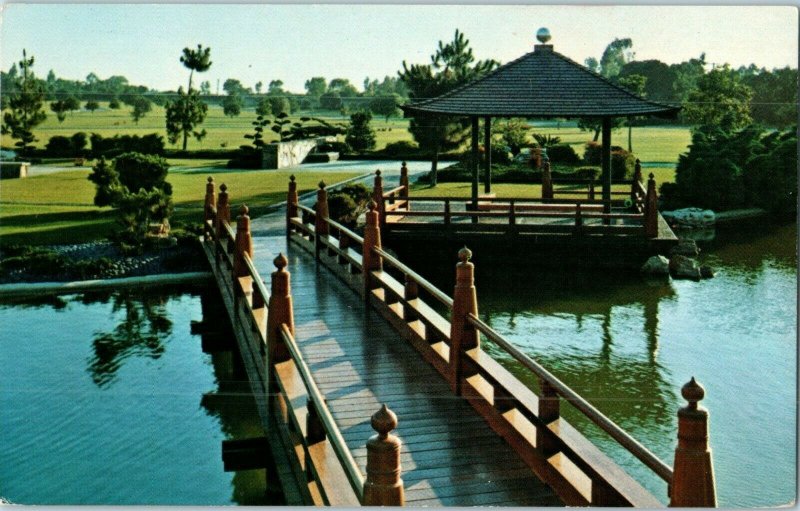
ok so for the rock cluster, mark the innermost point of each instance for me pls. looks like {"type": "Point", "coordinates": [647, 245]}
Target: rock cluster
{"type": "Point", "coordinates": [680, 265]}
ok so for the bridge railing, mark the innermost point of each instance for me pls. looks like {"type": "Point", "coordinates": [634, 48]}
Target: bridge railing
{"type": "Point", "coordinates": [561, 456]}
{"type": "Point", "coordinates": [264, 323]}
{"type": "Point", "coordinates": [560, 210]}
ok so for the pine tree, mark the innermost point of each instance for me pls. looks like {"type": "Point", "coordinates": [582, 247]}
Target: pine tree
{"type": "Point", "coordinates": [25, 103]}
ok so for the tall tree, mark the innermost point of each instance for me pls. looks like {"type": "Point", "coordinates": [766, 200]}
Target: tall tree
{"type": "Point", "coordinates": [188, 111]}
{"type": "Point", "coordinates": [141, 106]}
{"type": "Point", "coordinates": [635, 84]}
{"type": "Point", "coordinates": [360, 135]}
{"type": "Point", "coordinates": [25, 103]}
{"type": "Point", "coordinates": [232, 105]}
{"type": "Point", "coordinates": [618, 53]}
{"type": "Point", "coordinates": [452, 65]}
{"type": "Point", "coordinates": [615, 56]}
{"type": "Point", "coordinates": [721, 100]}
{"type": "Point", "coordinates": [385, 105]}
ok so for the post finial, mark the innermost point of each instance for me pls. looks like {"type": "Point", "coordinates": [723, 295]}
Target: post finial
{"type": "Point", "coordinates": [652, 176]}
{"type": "Point", "coordinates": [464, 255]}
{"type": "Point", "coordinates": [292, 178]}
{"type": "Point", "coordinates": [693, 392]}
{"type": "Point", "coordinates": [210, 179]}
{"type": "Point", "coordinates": [378, 172]}
{"type": "Point", "coordinates": [244, 210]}
{"type": "Point", "coordinates": [384, 421]}
{"type": "Point", "coordinates": [372, 205]}
{"type": "Point", "coordinates": [280, 261]}
{"type": "Point", "coordinates": [321, 185]}
{"type": "Point", "coordinates": [223, 187]}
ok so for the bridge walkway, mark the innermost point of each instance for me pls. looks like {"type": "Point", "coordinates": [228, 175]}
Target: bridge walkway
{"type": "Point", "coordinates": [450, 457]}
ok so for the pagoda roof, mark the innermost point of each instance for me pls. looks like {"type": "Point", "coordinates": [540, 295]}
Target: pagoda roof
{"type": "Point", "coordinates": [541, 84]}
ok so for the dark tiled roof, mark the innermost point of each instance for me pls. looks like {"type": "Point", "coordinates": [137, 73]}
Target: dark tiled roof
{"type": "Point", "coordinates": [542, 83]}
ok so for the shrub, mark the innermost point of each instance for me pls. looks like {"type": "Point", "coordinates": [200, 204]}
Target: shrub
{"type": "Point", "coordinates": [141, 171]}
{"type": "Point", "coordinates": [593, 154]}
{"type": "Point", "coordinates": [563, 154]}
{"type": "Point", "coordinates": [622, 165]}
{"type": "Point", "coordinates": [500, 155]}
{"type": "Point", "coordinates": [79, 141]}
{"type": "Point", "coordinates": [360, 135]}
{"type": "Point", "coordinates": [116, 145]}
{"type": "Point", "coordinates": [744, 168]}
{"type": "Point", "coordinates": [347, 203]}
{"type": "Point", "coordinates": [59, 146]}
{"type": "Point", "coordinates": [400, 148]}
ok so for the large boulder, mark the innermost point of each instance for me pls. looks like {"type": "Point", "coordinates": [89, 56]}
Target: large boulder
{"type": "Point", "coordinates": [685, 247]}
{"type": "Point", "coordinates": [656, 265]}
{"type": "Point", "coordinates": [690, 217]}
{"type": "Point", "coordinates": [682, 267]}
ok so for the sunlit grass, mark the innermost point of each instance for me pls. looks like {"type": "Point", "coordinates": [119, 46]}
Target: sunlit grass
{"type": "Point", "coordinates": [650, 143]}
{"type": "Point", "coordinates": [58, 208]}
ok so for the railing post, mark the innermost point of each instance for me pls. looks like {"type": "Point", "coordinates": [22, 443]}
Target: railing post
{"type": "Point", "coordinates": [549, 410]}
{"type": "Point", "coordinates": [693, 476]}
{"type": "Point", "coordinates": [211, 200]}
{"type": "Point", "coordinates": [637, 179]}
{"type": "Point", "coordinates": [651, 209]}
{"type": "Point", "coordinates": [447, 212]}
{"type": "Point", "coordinates": [463, 336]}
{"type": "Point", "coordinates": [280, 312]}
{"type": "Point", "coordinates": [512, 213]}
{"type": "Point", "coordinates": [404, 181]}
{"type": "Point", "coordinates": [547, 179]}
{"type": "Point", "coordinates": [223, 211]}
{"type": "Point", "coordinates": [321, 227]}
{"type": "Point", "coordinates": [291, 204]}
{"type": "Point", "coordinates": [383, 485]}
{"type": "Point", "coordinates": [591, 187]}
{"type": "Point", "coordinates": [578, 219]}
{"type": "Point", "coordinates": [244, 243]}
{"type": "Point", "coordinates": [370, 261]}
{"type": "Point", "coordinates": [377, 196]}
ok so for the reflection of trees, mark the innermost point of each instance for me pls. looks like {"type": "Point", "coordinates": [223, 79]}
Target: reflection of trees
{"type": "Point", "coordinates": [232, 403]}
{"type": "Point", "coordinates": [141, 332]}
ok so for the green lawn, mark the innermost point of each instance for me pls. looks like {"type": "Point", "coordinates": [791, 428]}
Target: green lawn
{"type": "Point", "coordinates": [58, 208]}
{"type": "Point", "coordinates": [650, 143]}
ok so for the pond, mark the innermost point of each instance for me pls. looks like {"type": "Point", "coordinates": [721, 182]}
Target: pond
{"type": "Point", "coordinates": [109, 399]}
{"type": "Point", "coordinates": [628, 345]}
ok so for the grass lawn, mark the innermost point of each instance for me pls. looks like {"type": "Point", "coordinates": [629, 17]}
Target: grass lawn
{"type": "Point", "coordinates": [58, 208]}
{"type": "Point", "coordinates": [650, 143]}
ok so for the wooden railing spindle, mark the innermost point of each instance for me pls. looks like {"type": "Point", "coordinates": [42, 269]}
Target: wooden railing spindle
{"type": "Point", "coordinates": [244, 243]}
{"type": "Point", "coordinates": [371, 261]}
{"type": "Point", "coordinates": [291, 204]}
{"type": "Point", "coordinates": [280, 312]}
{"type": "Point", "coordinates": [321, 226]}
{"type": "Point", "coordinates": [549, 410]}
{"type": "Point", "coordinates": [547, 179]}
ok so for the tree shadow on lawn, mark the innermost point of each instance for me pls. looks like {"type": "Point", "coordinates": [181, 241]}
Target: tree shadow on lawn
{"type": "Point", "coordinates": [58, 228]}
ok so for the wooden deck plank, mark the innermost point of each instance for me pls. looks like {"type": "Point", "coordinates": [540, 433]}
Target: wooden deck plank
{"type": "Point", "coordinates": [449, 456]}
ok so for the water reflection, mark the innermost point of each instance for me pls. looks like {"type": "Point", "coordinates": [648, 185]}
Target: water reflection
{"type": "Point", "coordinates": [232, 402]}
{"type": "Point", "coordinates": [142, 331]}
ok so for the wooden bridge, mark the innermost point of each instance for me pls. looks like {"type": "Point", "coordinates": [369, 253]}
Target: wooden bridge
{"type": "Point", "coordinates": [349, 342]}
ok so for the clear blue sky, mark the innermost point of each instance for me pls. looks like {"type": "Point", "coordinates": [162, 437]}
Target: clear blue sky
{"type": "Point", "coordinates": [296, 42]}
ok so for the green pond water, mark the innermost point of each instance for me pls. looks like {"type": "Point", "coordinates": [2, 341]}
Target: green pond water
{"type": "Point", "coordinates": [628, 345]}
{"type": "Point", "coordinates": [108, 399]}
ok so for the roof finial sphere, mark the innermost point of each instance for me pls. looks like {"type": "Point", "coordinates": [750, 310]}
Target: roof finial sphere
{"type": "Point", "coordinates": [543, 35]}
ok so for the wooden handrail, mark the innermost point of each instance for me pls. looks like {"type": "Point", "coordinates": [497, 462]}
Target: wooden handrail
{"type": "Point", "coordinates": [502, 200]}
{"type": "Point", "coordinates": [347, 232]}
{"type": "Point", "coordinates": [306, 209]}
{"type": "Point", "coordinates": [633, 446]}
{"type": "Point", "coordinates": [393, 191]}
{"type": "Point", "coordinates": [257, 282]}
{"type": "Point", "coordinates": [419, 279]}
{"type": "Point", "coordinates": [354, 475]}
